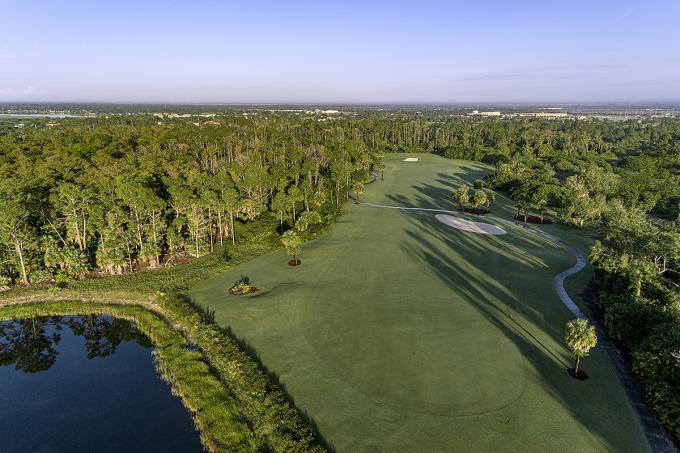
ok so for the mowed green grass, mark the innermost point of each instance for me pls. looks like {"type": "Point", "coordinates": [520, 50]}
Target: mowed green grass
{"type": "Point", "coordinates": [399, 333]}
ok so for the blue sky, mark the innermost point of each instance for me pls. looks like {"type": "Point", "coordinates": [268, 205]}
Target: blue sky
{"type": "Point", "coordinates": [349, 51]}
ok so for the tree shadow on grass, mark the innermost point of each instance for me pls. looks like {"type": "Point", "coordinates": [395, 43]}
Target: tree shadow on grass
{"type": "Point", "coordinates": [524, 318]}
{"type": "Point", "coordinates": [274, 380]}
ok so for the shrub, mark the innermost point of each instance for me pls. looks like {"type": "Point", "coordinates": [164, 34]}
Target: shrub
{"type": "Point", "coordinates": [659, 370]}
{"type": "Point", "coordinates": [41, 276]}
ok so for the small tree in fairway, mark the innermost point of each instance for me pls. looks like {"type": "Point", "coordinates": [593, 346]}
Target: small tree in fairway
{"type": "Point", "coordinates": [580, 339]}
{"type": "Point", "coordinates": [490, 197]}
{"type": "Point", "coordinates": [461, 196]}
{"type": "Point", "coordinates": [291, 241]}
{"type": "Point", "coordinates": [478, 198]}
{"type": "Point", "coordinates": [358, 189]}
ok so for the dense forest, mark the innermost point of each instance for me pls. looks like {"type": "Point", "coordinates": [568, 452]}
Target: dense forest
{"type": "Point", "coordinates": [89, 196]}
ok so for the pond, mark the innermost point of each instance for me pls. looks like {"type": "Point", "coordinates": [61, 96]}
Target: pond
{"type": "Point", "coordinates": [86, 383]}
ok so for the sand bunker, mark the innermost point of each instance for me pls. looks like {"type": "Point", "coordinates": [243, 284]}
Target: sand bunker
{"type": "Point", "coordinates": [467, 225]}
{"type": "Point", "coordinates": [411, 159]}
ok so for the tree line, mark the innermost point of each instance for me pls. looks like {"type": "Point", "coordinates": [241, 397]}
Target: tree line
{"type": "Point", "coordinates": [112, 198]}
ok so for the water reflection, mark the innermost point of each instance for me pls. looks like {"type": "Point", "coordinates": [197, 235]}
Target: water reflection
{"type": "Point", "coordinates": [86, 383]}
{"type": "Point", "coordinates": [31, 344]}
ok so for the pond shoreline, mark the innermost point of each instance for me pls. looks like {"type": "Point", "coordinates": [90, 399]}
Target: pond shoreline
{"type": "Point", "coordinates": [190, 379]}
{"type": "Point", "coordinates": [259, 415]}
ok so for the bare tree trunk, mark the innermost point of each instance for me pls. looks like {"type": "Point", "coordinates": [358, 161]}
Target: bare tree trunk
{"type": "Point", "coordinates": [77, 225]}
{"type": "Point", "coordinates": [210, 231]}
{"type": "Point", "coordinates": [18, 246]}
{"type": "Point", "coordinates": [233, 232]}
{"type": "Point", "coordinates": [84, 233]}
{"type": "Point", "coordinates": [139, 232]}
{"type": "Point", "coordinates": [220, 227]}
{"type": "Point", "coordinates": [155, 238]}
{"type": "Point", "coordinates": [578, 362]}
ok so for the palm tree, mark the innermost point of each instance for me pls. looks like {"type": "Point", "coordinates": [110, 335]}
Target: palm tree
{"type": "Point", "coordinates": [490, 197]}
{"type": "Point", "coordinates": [232, 203]}
{"type": "Point", "coordinates": [381, 167]}
{"type": "Point", "coordinates": [291, 241]}
{"type": "Point", "coordinates": [461, 196]}
{"type": "Point", "coordinates": [358, 188]}
{"type": "Point", "coordinates": [478, 198]}
{"type": "Point", "coordinates": [581, 338]}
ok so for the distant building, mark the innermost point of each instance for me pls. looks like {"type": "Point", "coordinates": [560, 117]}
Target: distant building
{"type": "Point", "coordinates": [545, 114]}
{"type": "Point", "coordinates": [477, 112]}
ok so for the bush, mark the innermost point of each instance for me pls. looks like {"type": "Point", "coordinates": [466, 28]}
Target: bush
{"type": "Point", "coordinates": [41, 276]}
{"type": "Point", "coordinates": [659, 370]}
{"type": "Point", "coordinates": [631, 319]}
{"type": "Point", "coordinates": [276, 423]}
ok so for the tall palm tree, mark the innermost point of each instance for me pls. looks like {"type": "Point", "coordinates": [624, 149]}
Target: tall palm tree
{"type": "Point", "coordinates": [581, 338]}
{"type": "Point", "coordinates": [461, 196]}
{"type": "Point", "coordinates": [358, 188]}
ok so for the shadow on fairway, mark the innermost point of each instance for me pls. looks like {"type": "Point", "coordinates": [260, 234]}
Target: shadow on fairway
{"type": "Point", "coordinates": [273, 376]}
{"type": "Point", "coordinates": [528, 322]}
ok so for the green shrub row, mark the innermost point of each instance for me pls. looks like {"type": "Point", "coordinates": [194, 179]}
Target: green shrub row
{"type": "Point", "coordinates": [277, 424]}
{"type": "Point", "coordinates": [648, 329]}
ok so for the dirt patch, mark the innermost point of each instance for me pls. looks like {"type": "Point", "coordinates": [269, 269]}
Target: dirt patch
{"type": "Point", "coordinates": [534, 219]}
{"type": "Point", "coordinates": [467, 225]}
{"type": "Point", "coordinates": [294, 262]}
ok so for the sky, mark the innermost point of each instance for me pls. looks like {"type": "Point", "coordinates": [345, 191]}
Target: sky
{"type": "Point", "coordinates": [424, 51]}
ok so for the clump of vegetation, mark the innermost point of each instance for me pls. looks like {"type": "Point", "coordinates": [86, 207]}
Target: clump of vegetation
{"type": "Point", "coordinates": [477, 196]}
{"type": "Point", "coordinates": [581, 338]}
{"type": "Point", "coordinates": [242, 286]}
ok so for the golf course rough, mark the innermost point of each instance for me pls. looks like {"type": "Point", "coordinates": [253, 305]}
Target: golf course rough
{"type": "Point", "coordinates": [400, 333]}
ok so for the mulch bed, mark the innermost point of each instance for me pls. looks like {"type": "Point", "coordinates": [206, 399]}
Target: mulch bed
{"type": "Point", "coordinates": [581, 376]}
{"type": "Point", "coordinates": [241, 292]}
{"type": "Point", "coordinates": [476, 211]}
{"type": "Point", "coordinates": [294, 262]}
{"type": "Point", "coordinates": [534, 219]}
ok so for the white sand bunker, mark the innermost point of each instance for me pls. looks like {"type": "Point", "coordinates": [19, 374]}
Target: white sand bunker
{"type": "Point", "coordinates": [467, 225]}
{"type": "Point", "coordinates": [411, 159]}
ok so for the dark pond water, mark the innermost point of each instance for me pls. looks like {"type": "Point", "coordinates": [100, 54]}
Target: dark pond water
{"type": "Point", "coordinates": [80, 384]}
